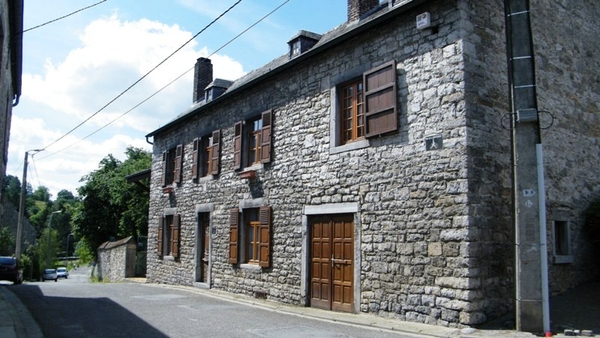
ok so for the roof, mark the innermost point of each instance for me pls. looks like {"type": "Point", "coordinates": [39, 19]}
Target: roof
{"type": "Point", "coordinates": [327, 41]}
{"type": "Point", "coordinates": [111, 245]}
{"type": "Point", "coordinates": [16, 43]}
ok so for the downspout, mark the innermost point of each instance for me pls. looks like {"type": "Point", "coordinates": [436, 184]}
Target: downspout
{"type": "Point", "coordinates": [543, 239]}
{"type": "Point", "coordinates": [148, 141]}
{"type": "Point", "coordinates": [16, 100]}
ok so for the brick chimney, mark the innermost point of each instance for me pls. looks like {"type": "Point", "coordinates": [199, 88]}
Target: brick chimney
{"type": "Point", "coordinates": [203, 76]}
{"type": "Point", "coordinates": [357, 8]}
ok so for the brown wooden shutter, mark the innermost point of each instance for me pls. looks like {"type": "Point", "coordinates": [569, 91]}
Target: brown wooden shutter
{"type": "Point", "coordinates": [381, 113]}
{"type": "Point", "coordinates": [178, 164]}
{"type": "Point", "coordinates": [164, 168]}
{"type": "Point", "coordinates": [195, 158]}
{"type": "Point", "coordinates": [159, 245]}
{"type": "Point", "coordinates": [175, 236]}
{"type": "Point", "coordinates": [233, 235]}
{"type": "Point", "coordinates": [237, 146]}
{"type": "Point", "coordinates": [216, 152]}
{"type": "Point", "coordinates": [265, 137]}
{"type": "Point", "coordinates": [264, 255]}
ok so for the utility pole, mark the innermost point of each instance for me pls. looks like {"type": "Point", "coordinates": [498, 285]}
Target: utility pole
{"type": "Point", "coordinates": [22, 205]}
{"type": "Point", "coordinates": [531, 279]}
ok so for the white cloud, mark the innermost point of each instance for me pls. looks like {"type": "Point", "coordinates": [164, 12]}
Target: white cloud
{"type": "Point", "coordinates": [113, 54]}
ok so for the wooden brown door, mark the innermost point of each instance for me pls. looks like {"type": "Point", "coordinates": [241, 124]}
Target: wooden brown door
{"type": "Point", "coordinates": [332, 262]}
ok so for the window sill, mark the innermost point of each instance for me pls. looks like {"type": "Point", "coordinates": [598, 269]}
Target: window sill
{"type": "Point", "coordinates": [250, 267]}
{"type": "Point", "coordinates": [169, 258]}
{"type": "Point", "coordinates": [206, 178]}
{"type": "Point", "coordinates": [168, 189]}
{"type": "Point", "coordinates": [349, 146]}
{"type": "Point", "coordinates": [563, 259]}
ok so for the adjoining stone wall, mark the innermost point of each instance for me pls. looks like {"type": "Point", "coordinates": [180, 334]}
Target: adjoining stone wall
{"type": "Point", "coordinates": [567, 63]}
{"type": "Point", "coordinates": [116, 263]}
{"type": "Point", "coordinates": [434, 227]}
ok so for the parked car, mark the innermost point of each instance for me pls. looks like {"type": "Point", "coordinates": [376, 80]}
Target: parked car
{"type": "Point", "coordinates": [9, 270]}
{"type": "Point", "coordinates": [62, 272]}
{"type": "Point", "coordinates": [49, 274]}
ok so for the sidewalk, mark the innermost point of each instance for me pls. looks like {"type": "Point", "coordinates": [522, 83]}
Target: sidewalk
{"type": "Point", "coordinates": [15, 319]}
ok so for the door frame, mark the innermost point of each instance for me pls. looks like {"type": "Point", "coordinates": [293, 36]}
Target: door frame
{"type": "Point", "coordinates": [329, 209]}
{"type": "Point", "coordinates": [199, 245]}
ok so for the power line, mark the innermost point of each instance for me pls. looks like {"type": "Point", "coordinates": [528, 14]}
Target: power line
{"type": "Point", "coordinates": [62, 17]}
{"type": "Point", "coordinates": [170, 83]}
{"type": "Point", "coordinates": [144, 76]}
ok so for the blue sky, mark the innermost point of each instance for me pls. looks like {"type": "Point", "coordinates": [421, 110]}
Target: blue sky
{"type": "Point", "coordinates": [75, 66]}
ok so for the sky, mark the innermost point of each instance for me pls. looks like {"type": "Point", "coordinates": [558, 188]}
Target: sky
{"type": "Point", "coordinates": [75, 68]}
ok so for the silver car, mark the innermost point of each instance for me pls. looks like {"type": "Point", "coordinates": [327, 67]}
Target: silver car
{"type": "Point", "coordinates": [62, 272]}
{"type": "Point", "coordinates": [49, 274]}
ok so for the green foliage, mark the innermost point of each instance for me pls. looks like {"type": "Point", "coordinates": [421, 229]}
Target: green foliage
{"type": "Point", "coordinates": [47, 248]}
{"type": "Point", "coordinates": [84, 251]}
{"type": "Point", "coordinates": [41, 194]}
{"type": "Point", "coordinates": [7, 242]}
{"type": "Point", "coordinates": [110, 207]}
{"type": "Point", "coordinates": [12, 189]}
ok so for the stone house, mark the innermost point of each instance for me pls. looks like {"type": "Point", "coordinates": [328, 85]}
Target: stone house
{"type": "Point", "coordinates": [117, 259]}
{"type": "Point", "coordinates": [11, 65]}
{"type": "Point", "coordinates": [369, 170]}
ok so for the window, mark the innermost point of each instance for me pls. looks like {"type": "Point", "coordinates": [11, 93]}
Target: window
{"type": "Point", "coordinates": [353, 114]}
{"type": "Point", "coordinates": [252, 141]}
{"type": "Point", "coordinates": [366, 107]}
{"type": "Point", "coordinates": [255, 236]}
{"type": "Point", "coordinates": [562, 243]}
{"type": "Point", "coordinates": [206, 155]}
{"type": "Point", "coordinates": [168, 236]}
{"type": "Point", "coordinates": [172, 163]}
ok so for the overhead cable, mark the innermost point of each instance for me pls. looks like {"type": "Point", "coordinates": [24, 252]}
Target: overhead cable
{"type": "Point", "coordinates": [143, 77]}
{"type": "Point", "coordinates": [168, 84]}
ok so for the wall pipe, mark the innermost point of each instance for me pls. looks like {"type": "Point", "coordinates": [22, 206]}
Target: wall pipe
{"type": "Point", "coordinates": [543, 239]}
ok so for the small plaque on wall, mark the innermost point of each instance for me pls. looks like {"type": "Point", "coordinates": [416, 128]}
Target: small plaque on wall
{"type": "Point", "coordinates": [434, 142]}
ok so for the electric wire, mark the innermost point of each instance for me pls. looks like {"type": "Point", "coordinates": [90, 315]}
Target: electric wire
{"type": "Point", "coordinates": [143, 77]}
{"type": "Point", "coordinates": [168, 84]}
{"type": "Point", "coordinates": [62, 17]}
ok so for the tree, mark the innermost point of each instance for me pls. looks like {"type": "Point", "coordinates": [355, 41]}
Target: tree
{"type": "Point", "coordinates": [7, 242]}
{"type": "Point", "coordinates": [41, 194]}
{"type": "Point", "coordinates": [111, 208]}
{"type": "Point", "coordinates": [12, 189]}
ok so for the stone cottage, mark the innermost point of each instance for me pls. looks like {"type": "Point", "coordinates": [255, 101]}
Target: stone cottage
{"type": "Point", "coordinates": [369, 169]}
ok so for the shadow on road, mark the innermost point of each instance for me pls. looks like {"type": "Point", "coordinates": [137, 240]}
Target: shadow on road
{"type": "Point", "coordinates": [82, 317]}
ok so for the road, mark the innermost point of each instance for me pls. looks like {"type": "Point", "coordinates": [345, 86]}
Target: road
{"type": "Point", "coordinates": [77, 308]}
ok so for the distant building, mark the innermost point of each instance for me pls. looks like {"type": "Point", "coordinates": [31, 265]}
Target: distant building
{"type": "Point", "coordinates": [369, 169]}
{"type": "Point", "coordinates": [11, 53]}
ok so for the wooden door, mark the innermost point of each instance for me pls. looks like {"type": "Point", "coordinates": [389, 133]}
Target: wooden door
{"type": "Point", "coordinates": [332, 262]}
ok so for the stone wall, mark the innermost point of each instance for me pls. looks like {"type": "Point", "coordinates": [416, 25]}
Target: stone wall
{"type": "Point", "coordinates": [116, 260]}
{"type": "Point", "coordinates": [434, 227]}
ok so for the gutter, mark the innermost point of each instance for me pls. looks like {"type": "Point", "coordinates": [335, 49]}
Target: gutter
{"type": "Point", "coordinates": [393, 12]}
{"type": "Point", "coordinates": [16, 46]}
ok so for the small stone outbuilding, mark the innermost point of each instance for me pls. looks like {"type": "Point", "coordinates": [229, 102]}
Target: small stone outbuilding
{"type": "Point", "coordinates": [117, 260]}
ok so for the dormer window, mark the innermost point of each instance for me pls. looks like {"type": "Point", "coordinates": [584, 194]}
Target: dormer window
{"type": "Point", "coordinates": [296, 48]}
{"type": "Point", "coordinates": [302, 42]}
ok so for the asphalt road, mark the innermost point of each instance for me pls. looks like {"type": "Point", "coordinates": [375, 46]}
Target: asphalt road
{"type": "Point", "coordinates": [76, 308]}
